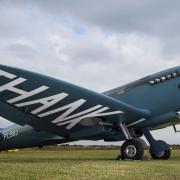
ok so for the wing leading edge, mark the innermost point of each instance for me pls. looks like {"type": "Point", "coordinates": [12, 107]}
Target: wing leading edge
{"type": "Point", "coordinates": [54, 105]}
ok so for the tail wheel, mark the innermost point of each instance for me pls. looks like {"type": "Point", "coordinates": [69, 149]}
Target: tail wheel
{"type": "Point", "coordinates": [162, 155]}
{"type": "Point", "coordinates": [132, 149]}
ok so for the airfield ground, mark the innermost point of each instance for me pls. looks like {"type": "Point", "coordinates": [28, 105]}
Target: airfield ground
{"type": "Point", "coordinates": [84, 164]}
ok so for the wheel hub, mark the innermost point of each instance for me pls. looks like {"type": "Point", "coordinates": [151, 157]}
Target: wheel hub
{"type": "Point", "coordinates": [131, 151]}
{"type": "Point", "coordinates": [160, 154]}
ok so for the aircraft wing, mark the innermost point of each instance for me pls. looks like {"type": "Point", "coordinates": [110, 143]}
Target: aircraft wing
{"type": "Point", "coordinates": [53, 105]}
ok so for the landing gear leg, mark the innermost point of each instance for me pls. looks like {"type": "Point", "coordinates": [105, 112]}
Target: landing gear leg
{"type": "Point", "coordinates": [132, 148]}
{"type": "Point", "coordinates": [158, 149]}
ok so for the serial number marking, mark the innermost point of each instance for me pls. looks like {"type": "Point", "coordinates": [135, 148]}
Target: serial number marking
{"type": "Point", "coordinates": [11, 134]}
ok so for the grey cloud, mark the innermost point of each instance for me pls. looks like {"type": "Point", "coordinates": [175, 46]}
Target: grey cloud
{"type": "Point", "coordinates": [4, 123]}
{"type": "Point", "coordinates": [158, 17]}
{"type": "Point", "coordinates": [22, 51]}
{"type": "Point", "coordinates": [155, 17]}
{"type": "Point", "coordinates": [87, 53]}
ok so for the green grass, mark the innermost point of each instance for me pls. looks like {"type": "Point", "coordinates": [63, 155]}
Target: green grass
{"type": "Point", "coordinates": [84, 164]}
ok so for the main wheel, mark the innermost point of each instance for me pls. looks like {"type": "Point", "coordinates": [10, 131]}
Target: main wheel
{"type": "Point", "coordinates": [132, 149]}
{"type": "Point", "coordinates": [162, 155]}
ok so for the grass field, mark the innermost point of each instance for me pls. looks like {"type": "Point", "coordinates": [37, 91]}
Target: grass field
{"type": "Point", "coordinates": [84, 164]}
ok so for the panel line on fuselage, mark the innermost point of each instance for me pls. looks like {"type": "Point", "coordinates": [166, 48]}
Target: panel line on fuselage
{"type": "Point", "coordinates": [136, 122]}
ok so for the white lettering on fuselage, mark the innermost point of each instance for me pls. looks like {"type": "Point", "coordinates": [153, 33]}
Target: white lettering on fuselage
{"type": "Point", "coordinates": [11, 134]}
{"type": "Point", "coordinates": [46, 102]}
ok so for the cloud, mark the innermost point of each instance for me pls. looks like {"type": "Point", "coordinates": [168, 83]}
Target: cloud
{"type": "Point", "coordinates": [4, 123]}
{"type": "Point", "coordinates": [53, 38]}
{"type": "Point", "coordinates": [22, 51]}
{"type": "Point", "coordinates": [159, 19]}
{"type": "Point", "coordinates": [121, 16]}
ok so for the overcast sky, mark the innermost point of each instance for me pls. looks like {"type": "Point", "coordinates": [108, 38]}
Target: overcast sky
{"type": "Point", "coordinates": [98, 44]}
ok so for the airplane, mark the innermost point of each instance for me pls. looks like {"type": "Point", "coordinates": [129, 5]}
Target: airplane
{"type": "Point", "coordinates": [49, 111]}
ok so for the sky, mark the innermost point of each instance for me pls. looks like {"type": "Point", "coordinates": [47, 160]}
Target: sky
{"type": "Point", "coordinates": [97, 44]}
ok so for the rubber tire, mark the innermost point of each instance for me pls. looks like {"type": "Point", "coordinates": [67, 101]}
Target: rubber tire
{"type": "Point", "coordinates": [145, 146]}
{"type": "Point", "coordinates": [166, 155]}
{"type": "Point", "coordinates": [139, 149]}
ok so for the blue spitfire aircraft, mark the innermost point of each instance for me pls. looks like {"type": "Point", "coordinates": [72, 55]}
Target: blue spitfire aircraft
{"type": "Point", "coordinates": [50, 111]}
